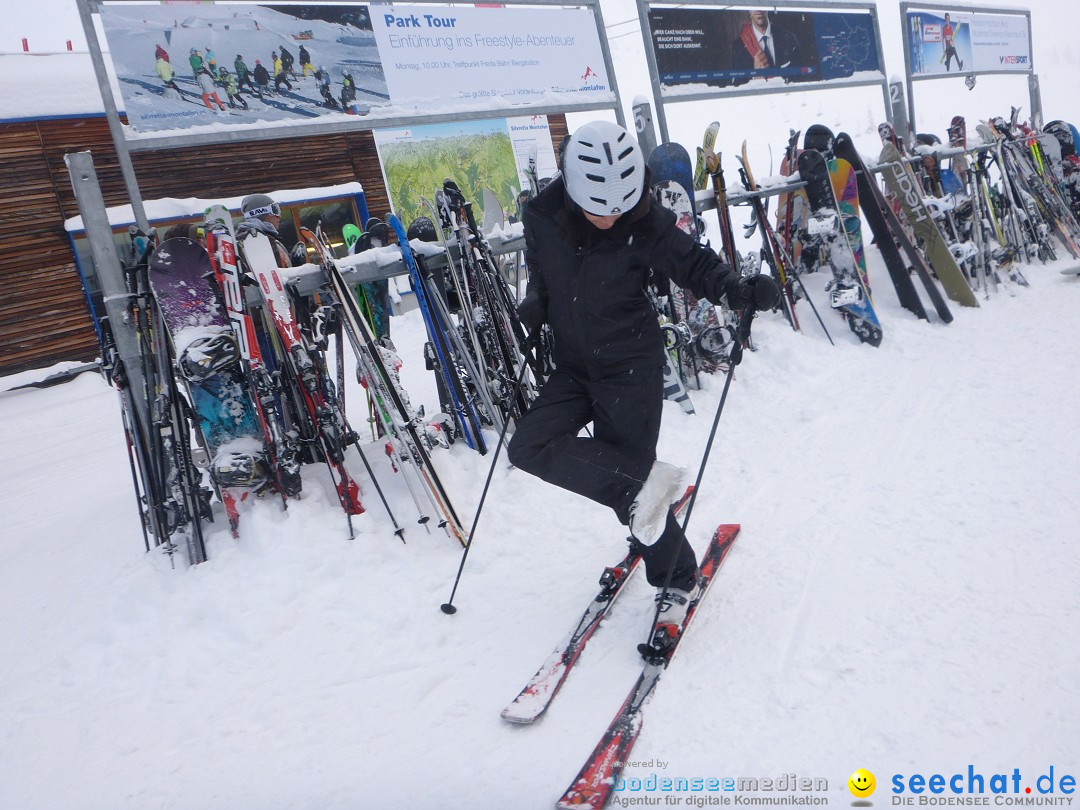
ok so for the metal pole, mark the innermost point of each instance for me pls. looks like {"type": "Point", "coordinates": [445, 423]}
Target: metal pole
{"type": "Point", "coordinates": [654, 71]}
{"type": "Point", "coordinates": [643, 125]}
{"type": "Point", "coordinates": [899, 118]}
{"type": "Point", "coordinates": [906, 27]}
{"type": "Point", "coordinates": [1034, 94]}
{"type": "Point", "coordinates": [109, 268]}
{"type": "Point", "coordinates": [116, 129]}
{"type": "Point", "coordinates": [881, 56]}
{"type": "Point", "coordinates": [601, 35]}
{"type": "Point", "coordinates": [1036, 101]}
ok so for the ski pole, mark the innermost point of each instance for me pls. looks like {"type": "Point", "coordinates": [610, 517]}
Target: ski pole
{"type": "Point", "coordinates": [400, 532]}
{"type": "Point", "coordinates": [448, 607]}
{"type": "Point", "coordinates": [810, 301]}
{"type": "Point", "coordinates": [742, 334]}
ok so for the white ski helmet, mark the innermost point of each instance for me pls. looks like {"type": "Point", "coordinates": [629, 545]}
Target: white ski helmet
{"type": "Point", "coordinates": [604, 169]}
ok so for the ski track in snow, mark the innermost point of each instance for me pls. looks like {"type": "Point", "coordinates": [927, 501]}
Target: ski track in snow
{"type": "Point", "coordinates": [902, 595]}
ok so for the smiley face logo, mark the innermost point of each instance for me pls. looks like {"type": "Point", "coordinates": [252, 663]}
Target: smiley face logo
{"type": "Point", "coordinates": [861, 783]}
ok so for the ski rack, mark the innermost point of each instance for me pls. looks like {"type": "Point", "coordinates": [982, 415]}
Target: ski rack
{"type": "Point", "coordinates": [947, 152]}
{"type": "Point", "coordinates": [705, 200]}
{"type": "Point", "coordinates": [386, 262]}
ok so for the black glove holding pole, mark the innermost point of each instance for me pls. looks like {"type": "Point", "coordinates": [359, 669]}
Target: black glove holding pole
{"type": "Point", "coordinates": [754, 292]}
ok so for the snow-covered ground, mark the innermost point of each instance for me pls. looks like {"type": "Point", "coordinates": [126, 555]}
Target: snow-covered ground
{"type": "Point", "coordinates": [902, 596]}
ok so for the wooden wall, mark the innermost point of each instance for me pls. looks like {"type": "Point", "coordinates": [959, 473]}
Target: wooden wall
{"type": "Point", "coordinates": [45, 318]}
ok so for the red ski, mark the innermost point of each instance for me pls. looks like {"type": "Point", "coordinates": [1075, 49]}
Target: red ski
{"type": "Point", "coordinates": [541, 689]}
{"type": "Point", "coordinates": [596, 780]}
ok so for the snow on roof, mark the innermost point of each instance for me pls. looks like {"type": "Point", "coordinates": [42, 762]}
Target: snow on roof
{"type": "Point", "coordinates": [52, 85]}
{"type": "Point", "coordinates": [169, 208]}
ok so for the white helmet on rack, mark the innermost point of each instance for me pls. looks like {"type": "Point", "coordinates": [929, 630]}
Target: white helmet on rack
{"type": "Point", "coordinates": [604, 169]}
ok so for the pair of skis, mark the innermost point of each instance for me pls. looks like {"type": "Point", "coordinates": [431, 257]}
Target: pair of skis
{"type": "Point", "coordinates": [401, 425]}
{"type": "Point", "coordinates": [593, 785]}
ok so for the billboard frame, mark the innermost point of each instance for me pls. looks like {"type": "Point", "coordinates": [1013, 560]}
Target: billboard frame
{"type": "Point", "coordinates": [125, 145]}
{"type": "Point", "coordinates": [909, 78]}
{"type": "Point", "coordinates": [660, 100]}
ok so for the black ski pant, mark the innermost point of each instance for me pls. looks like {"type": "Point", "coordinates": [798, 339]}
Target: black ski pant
{"type": "Point", "coordinates": [610, 467]}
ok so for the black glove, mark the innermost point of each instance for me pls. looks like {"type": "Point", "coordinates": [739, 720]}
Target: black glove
{"type": "Point", "coordinates": [532, 311]}
{"type": "Point", "coordinates": [758, 292]}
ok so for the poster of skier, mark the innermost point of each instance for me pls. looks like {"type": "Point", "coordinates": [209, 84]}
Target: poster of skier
{"type": "Point", "coordinates": [222, 66]}
{"type": "Point", "coordinates": [958, 42]}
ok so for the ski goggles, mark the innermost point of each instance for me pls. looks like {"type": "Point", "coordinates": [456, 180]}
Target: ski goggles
{"type": "Point", "coordinates": [273, 209]}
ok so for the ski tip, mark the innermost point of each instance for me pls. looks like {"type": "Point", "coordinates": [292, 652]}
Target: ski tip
{"type": "Point", "coordinates": [517, 719]}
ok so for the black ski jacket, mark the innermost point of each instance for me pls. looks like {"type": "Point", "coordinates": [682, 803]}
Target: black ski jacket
{"type": "Point", "coordinates": [592, 283]}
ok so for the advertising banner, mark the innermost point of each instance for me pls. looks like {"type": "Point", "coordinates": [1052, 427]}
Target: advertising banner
{"type": "Point", "coordinates": [206, 68]}
{"type": "Point", "coordinates": [730, 48]}
{"type": "Point", "coordinates": [963, 42]}
{"type": "Point", "coordinates": [465, 55]}
{"type": "Point", "coordinates": [477, 155]}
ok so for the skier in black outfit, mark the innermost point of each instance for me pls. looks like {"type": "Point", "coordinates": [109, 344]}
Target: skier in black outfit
{"type": "Point", "coordinates": [592, 237]}
{"type": "Point", "coordinates": [287, 62]}
{"type": "Point", "coordinates": [262, 77]}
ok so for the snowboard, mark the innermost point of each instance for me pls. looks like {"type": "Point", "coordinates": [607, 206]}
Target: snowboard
{"type": "Point", "coordinates": [873, 205]}
{"type": "Point", "coordinates": [181, 277]}
{"type": "Point", "coordinates": [918, 216]}
{"type": "Point", "coordinates": [825, 232]}
{"type": "Point", "coordinates": [846, 190]}
{"type": "Point", "coordinates": [672, 183]}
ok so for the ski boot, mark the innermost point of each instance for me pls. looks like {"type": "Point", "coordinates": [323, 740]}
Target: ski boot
{"type": "Point", "coordinates": [673, 605]}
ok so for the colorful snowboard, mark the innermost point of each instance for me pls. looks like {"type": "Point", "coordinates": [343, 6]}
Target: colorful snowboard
{"type": "Point", "coordinates": [846, 190]}
{"type": "Point", "coordinates": [827, 232]}
{"type": "Point", "coordinates": [182, 280]}
{"type": "Point", "coordinates": [887, 232]}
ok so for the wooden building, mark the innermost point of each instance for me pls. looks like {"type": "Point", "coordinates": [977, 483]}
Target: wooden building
{"type": "Point", "coordinates": [45, 317]}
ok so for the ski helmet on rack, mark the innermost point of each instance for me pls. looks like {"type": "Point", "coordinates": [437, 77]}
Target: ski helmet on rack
{"type": "Point", "coordinates": [604, 169]}
{"type": "Point", "coordinates": [259, 205]}
{"type": "Point", "coordinates": [422, 228]}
